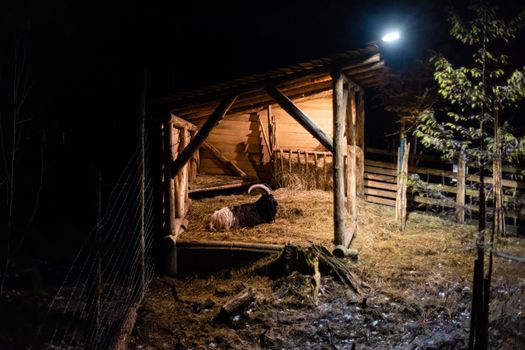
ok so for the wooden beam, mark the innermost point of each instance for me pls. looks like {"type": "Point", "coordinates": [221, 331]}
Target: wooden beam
{"type": "Point", "coordinates": [181, 181]}
{"type": "Point", "coordinates": [169, 184]}
{"type": "Point", "coordinates": [218, 154]}
{"type": "Point", "coordinates": [300, 117]}
{"type": "Point", "coordinates": [258, 99]}
{"type": "Point", "coordinates": [289, 89]}
{"type": "Point", "coordinates": [202, 134]}
{"type": "Point", "coordinates": [251, 99]}
{"type": "Point", "coordinates": [225, 185]}
{"type": "Point", "coordinates": [181, 123]}
{"type": "Point", "coordinates": [338, 160]}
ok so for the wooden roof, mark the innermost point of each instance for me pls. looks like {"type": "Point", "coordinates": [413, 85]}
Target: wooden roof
{"type": "Point", "coordinates": [363, 66]}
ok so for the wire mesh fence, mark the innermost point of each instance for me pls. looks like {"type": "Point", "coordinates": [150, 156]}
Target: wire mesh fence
{"type": "Point", "coordinates": [107, 280]}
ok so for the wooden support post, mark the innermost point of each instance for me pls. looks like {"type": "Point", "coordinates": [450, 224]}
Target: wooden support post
{"type": "Point", "coordinates": [300, 117]}
{"type": "Point", "coordinates": [195, 160]}
{"type": "Point", "coordinates": [169, 185]}
{"type": "Point", "coordinates": [461, 189]}
{"type": "Point", "coordinates": [360, 144]}
{"type": "Point", "coordinates": [338, 162]}
{"type": "Point", "coordinates": [352, 174]}
{"type": "Point", "coordinates": [181, 184]}
{"type": "Point", "coordinates": [180, 124]}
{"type": "Point", "coordinates": [202, 134]}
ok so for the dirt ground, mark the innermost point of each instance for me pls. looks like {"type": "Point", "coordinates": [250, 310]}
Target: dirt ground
{"type": "Point", "coordinates": [418, 291]}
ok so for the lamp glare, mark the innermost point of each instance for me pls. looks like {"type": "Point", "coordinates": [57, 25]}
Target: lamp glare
{"type": "Point", "coordinates": [393, 36]}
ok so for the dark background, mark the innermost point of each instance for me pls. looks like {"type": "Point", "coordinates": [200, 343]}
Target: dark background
{"type": "Point", "coordinates": [83, 65]}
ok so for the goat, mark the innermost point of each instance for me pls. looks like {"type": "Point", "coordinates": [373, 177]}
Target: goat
{"type": "Point", "coordinates": [248, 214]}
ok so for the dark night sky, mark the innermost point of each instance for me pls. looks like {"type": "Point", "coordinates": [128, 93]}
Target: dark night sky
{"type": "Point", "coordinates": [202, 41]}
{"type": "Point", "coordinates": [85, 63]}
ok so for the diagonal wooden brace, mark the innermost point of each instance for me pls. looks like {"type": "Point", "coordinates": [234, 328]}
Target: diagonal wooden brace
{"type": "Point", "coordinates": [202, 135]}
{"type": "Point", "coordinates": [294, 111]}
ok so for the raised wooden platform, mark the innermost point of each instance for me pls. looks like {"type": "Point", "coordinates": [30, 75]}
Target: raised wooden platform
{"type": "Point", "coordinates": [208, 183]}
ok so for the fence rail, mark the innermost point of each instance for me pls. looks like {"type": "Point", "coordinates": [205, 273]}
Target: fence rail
{"type": "Point", "coordinates": [381, 174]}
{"type": "Point", "coordinates": [380, 180]}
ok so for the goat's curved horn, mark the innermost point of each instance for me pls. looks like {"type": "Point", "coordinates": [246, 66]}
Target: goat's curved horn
{"type": "Point", "coordinates": [261, 186]}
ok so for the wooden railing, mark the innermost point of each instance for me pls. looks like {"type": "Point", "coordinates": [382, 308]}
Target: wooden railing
{"type": "Point", "coordinates": [312, 168]}
{"type": "Point", "coordinates": [177, 134]}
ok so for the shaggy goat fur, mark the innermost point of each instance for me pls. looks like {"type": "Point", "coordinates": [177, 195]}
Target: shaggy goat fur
{"type": "Point", "coordinates": [246, 215]}
{"type": "Point", "coordinates": [223, 219]}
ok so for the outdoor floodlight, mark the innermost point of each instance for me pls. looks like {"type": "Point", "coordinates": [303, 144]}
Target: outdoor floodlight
{"type": "Point", "coordinates": [391, 36]}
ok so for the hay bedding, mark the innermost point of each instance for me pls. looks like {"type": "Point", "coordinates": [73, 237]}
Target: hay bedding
{"type": "Point", "coordinates": [418, 296]}
{"type": "Point", "coordinates": [302, 216]}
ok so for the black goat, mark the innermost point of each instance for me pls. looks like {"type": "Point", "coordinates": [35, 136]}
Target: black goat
{"type": "Point", "coordinates": [246, 215]}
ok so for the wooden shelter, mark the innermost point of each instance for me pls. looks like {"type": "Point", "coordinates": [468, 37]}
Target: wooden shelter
{"type": "Point", "coordinates": [249, 126]}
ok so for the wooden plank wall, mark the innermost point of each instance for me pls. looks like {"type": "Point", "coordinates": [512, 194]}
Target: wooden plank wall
{"type": "Point", "coordinates": [290, 134]}
{"type": "Point", "coordinates": [240, 139]}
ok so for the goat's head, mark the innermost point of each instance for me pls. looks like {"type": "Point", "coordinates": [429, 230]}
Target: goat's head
{"type": "Point", "coordinates": [266, 203]}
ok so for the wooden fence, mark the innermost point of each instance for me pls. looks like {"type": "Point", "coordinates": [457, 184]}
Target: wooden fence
{"type": "Point", "coordinates": [302, 169]}
{"type": "Point", "coordinates": [435, 185]}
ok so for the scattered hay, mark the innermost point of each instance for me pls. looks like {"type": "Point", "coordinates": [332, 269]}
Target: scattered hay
{"type": "Point", "coordinates": [419, 286]}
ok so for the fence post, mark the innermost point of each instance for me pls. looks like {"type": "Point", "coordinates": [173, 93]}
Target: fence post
{"type": "Point", "coordinates": [402, 179]}
{"type": "Point", "coordinates": [461, 189]}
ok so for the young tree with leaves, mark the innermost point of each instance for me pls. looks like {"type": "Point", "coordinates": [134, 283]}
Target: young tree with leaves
{"type": "Point", "coordinates": [470, 126]}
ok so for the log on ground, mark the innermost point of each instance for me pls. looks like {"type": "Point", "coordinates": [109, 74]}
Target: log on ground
{"type": "Point", "coordinates": [235, 305]}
